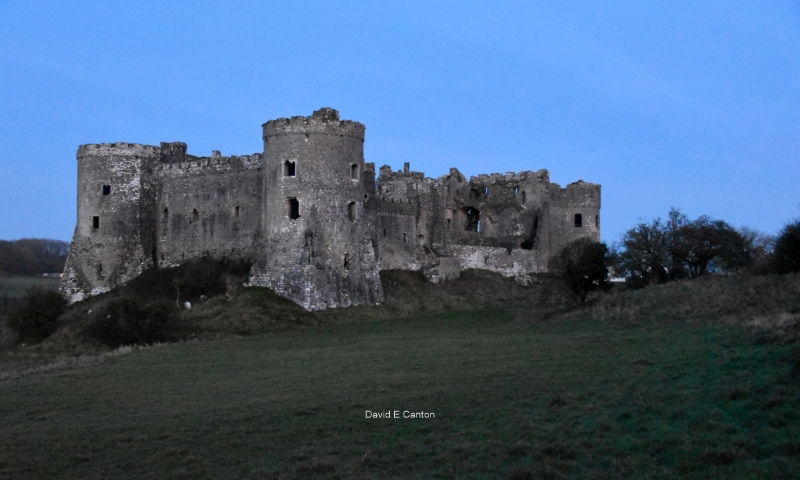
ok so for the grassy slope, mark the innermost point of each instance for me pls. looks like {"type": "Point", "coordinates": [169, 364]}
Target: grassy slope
{"type": "Point", "coordinates": [515, 396]}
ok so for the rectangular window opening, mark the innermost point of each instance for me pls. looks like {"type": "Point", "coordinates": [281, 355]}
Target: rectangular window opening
{"type": "Point", "coordinates": [578, 220]}
{"type": "Point", "coordinates": [289, 169]}
{"type": "Point", "coordinates": [95, 222]}
{"type": "Point", "coordinates": [106, 189]}
{"type": "Point", "coordinates": [292, 208]}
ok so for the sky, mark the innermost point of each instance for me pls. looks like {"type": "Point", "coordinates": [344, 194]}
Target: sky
{"type": "Point", "coordinates": [680, 104]}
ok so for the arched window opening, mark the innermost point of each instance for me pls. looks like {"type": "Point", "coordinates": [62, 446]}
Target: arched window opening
{"type": "Point", "coordinates": [289, 169]}
{"type": "Point", "coordinates": [292, 208]}
{"type": "Point", "coordinates": [354, 171]}
{"type": "Point", "coordinates": [236, 211]}
{"type": "Point", "coordinates": [578, 220]}
{"type": "Point", "coordinates": [351, 211]}
{"type": "Point", "coordinates": [472, 219]}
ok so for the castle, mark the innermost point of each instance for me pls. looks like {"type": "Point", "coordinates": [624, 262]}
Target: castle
{"type": "Point", "coordinates": [310, 215]}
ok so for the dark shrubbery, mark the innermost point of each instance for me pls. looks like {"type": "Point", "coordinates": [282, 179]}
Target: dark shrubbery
{"type": "Point", "coordinates": [128, 321]}
{"type": "Point", "coordinates": [583, 266]}
{"type": "Point", "coordinates": [37, 316]}
{"type": "Point", "coordinates": [786, 257]}
{"type": "Point", "coordinates": [190, 281]}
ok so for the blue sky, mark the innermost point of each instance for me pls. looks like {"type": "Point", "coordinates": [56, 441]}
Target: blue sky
{"type": "Point", "coordinates": [685, 104]}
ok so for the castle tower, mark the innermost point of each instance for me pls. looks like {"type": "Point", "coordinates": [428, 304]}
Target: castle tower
{"type": "Point", "coordinates": [318, 251]}
{"type": "Point", "coordinates": [114, 239]}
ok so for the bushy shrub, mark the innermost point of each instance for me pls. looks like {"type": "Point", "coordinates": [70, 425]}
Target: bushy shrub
{"type": "Point", "coordinates": [37, 317]}
{"type": "Point", "coordinates": [786, 257]}
{"type": "Point", "coordinates": [128, 321]}
{"type": "Point", "coordinates": [583, 266]}
{"type": "Point", "coordinates": [190, 281]}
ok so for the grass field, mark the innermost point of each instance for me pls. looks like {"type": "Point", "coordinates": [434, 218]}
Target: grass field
{"type": "Point", "coordinates": [16, 286]}
{"type": "Point", "coordinates": [512, 397]}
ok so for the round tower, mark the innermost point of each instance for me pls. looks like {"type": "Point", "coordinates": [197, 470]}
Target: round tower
{"type": "Point", "coordinates": [317, 248]}
{"type": "Point", "coordinates": [112, 242]}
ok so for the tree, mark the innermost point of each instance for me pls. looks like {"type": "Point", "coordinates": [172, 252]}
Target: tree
{"type": "Point", "coordinates": [583, 266]}
{"type": "Point", "coordinates": [786, 257]}
{"type": "Point", "coordinates": [661, 251]}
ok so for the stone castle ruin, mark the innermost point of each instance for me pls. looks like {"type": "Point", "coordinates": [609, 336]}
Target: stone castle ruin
{"type": "Point", "coordinates": [311, 216]}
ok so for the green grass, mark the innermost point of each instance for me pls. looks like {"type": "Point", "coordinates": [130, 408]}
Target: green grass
{"type": "Point", "coordinates": [513, 398]}
{"type": "Point", "coordinates": [16, 286]}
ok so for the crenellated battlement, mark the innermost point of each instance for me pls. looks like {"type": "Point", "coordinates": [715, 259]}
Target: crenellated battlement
{"type": "Point", "coordinates": [324, 121]}
{"type": "Point", "coordinates": [311, 215]}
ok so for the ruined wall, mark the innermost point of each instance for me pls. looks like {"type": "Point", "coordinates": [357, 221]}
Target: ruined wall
{"type": "Point", "coordinates": [208, 206]}
{"type": "Point", "coordinates": [113, 240]}
{"type": "Point", "coordinates": [319, 250]}
{"type": "Point", "coordinates": [310, 215]}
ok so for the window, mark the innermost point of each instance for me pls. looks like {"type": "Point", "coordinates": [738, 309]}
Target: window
{"type": "Point", "coordinates": [292, 208]}
{"type": "Point", "coordinates": [106, 189]}
{"type": "Point", "coordinates": [516, 191]}
{"type": "Point", "coordinates": [351, 211]}
{"type": "Point", "coordinates": [289, 169]}
{"type": "Point", "coordinates": [346, 261]}
{"type": "Point", "coordinates": [236, 211]}
{"type": "Point", "coordinates": [95, 222]}
{"type": "Point", "coordinates": [597, 221]}
{"type": "Point", "coordinates": [472, 219]}
{"type": "Point", "coordinates": [578, 220]}
{"type": "Point", "coordinates": [195, 215]}
{"type": "Point", "coordinates": [485, 190]}
{"type": "Point", "coordinates": [164, 219]}
{"type": "Point", "coordinates": [354, 171]}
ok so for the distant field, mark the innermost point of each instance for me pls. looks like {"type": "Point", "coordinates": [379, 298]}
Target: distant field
{"type": "Point", "coordinates": [512, 398]}
{"type": "Point", "coordinates": [16, 286]}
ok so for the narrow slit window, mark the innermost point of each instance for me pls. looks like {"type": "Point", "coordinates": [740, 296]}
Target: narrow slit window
{"type": "Point", "coordinates": [164, 219]}
{"type": "Point", "coordinates": [289, 169]}
{"type": "Point", "coordinates": [95, 222]}
{"type": "Point", "coordinates": [516, 191]}
{"type": "Point", "coordinates": [236, 211]}
{"type": "Point", "coordinates": [351, 211]}
{"type": "Point", "coordinates": [293, 208]}
{"type": "Point", "coordinates": [597, 220]}
{"type": "Point", "coordinates": [354, 171]}
{"type": "Point", "coordinates": [195, 215]}
{"type": "Point", "coordinates": [578, 220]}
{"type": "Point", "coordinates": [106, 189]}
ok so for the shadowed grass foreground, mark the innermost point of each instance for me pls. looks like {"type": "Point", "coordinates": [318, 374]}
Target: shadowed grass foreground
{"type": "Point", "coordinates": [512, 398]}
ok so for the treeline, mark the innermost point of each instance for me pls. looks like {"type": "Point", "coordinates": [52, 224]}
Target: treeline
{"type": "Point", "coordinates": [32, 256]}
{"type": "Point", "coordinates": [662, 250]}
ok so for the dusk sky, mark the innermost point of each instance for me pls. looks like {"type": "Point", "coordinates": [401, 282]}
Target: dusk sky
{"type": "Point", "coordinates": [694, 105]}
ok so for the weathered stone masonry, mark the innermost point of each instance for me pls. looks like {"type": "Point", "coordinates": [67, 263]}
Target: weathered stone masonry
{"type": "Point", "coordinates": [310, 215]}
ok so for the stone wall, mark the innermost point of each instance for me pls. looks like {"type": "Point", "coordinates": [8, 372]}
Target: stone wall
{"type": "Point", "coordinates": [311, 216]}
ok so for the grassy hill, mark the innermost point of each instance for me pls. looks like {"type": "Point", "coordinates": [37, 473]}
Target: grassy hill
{"type": "Point", "coordinates": [666, 382]}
